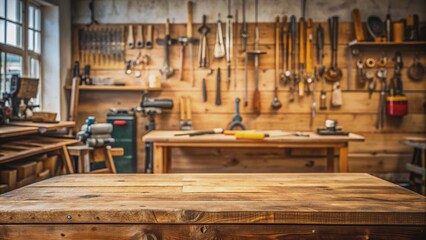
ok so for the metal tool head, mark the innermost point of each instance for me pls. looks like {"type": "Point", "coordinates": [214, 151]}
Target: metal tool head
{"type": "Point", "coordinates": [167, 71]}
{"type": "Point", "coordinates": [276, 103]}
{"type": "Point", "coordinates": [183, 40]}
{"type": "Point", "coordinates": [333, 74]}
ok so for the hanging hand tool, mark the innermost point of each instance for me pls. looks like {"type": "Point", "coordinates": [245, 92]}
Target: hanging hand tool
{"type": "Point", "coordinates": [314, 101]}
{"type": "Point", "coordinates": [292, 47]}
{"type": "Point", "coordinates": [81, 44]}
{"type": "Point", "coordinates": [167, 70]}
{"type": "Point", "coordinates": [139, 37]}
{"type": "Point", "coordinates": [309, 69]}
{"type": "Point", "coordinates": [114, 45]}
{"type": "Point", "coordinates": [372, 84]}
{"type": "Point", "coordinates": [285, 73]}
{"type": "Point", "coordinates": [361, 78]}
{"type": "Point", "coordinates": [334, 73]}
{"type": "Point", "coordinates": [121, 46]}
{"type": "Point", "coordinates": [320, 57]}
{"type": "Point", "coordinates": [236, 50]}
{"type": "Point", "coordinates": [302, 55]}
{"type": "Point", "coordinates": [104, 47]}
{"type": "Point", "coordinates": [244, 36]}
{"type": "Point", "coordinates": [149, 35]}
{"type": "Point", "coordinates": [229, 43]}
{"type": "Point", "coordinates": [192, 134]}
{"type": "Point", "coordinates": [191, 41]}
{"type": "Point", "coordinates": [109, 46]}
{"type": "Point", "coordinates": [185, 113]}
{"type": "Point", "coordinates": [92, 14]}
{"type": "Point", "coordinates": [397, 102]}
{"type": "Point", "coordinates": [203, 51]}
{"type": "Point", "coordinates": [204, 89]}
{"type": "Point", "coordinates": [98, 47]}
{"type": "Point", "coordinates": [237, 120]}
{"type": "Point", "coordinates": [276, 104]}
{"type": "Point", "coordinates": [336, 95]}
{"type": "Point", "coordinates": [130, 38]}
{"type": "Point", "coordinates": [256, 52]}
{"type": "Point", "coordinates": [381, 112]}
{"type": "Point", "coordinates": [219, 47]}
{"type": "Point", "coordinates": [183, 41]}
{"type": "Point", "coordinates": [416, 71]}
{"type": "Point", "coordinates": [218, 101]}
{"type": "Point", "coordinates": [244, 33]}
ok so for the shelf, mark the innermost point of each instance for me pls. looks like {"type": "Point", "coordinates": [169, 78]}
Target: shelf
{"type": "Point", "coordinates": [414, 43]}
{"type": "Point", "coordinates": [113, 88]}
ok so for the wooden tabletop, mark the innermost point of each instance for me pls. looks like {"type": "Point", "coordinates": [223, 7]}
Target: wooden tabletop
{"type": "Point", "coordinates": [29, 146]}
{"type": "Point", "coordinates": [168, 136]}
{"type": "Point", "coordinates": [14, 131]}
{"type": "Point", "coordinates": [320, 198]}
{"type": "Point", "coordinates": [44, 126]}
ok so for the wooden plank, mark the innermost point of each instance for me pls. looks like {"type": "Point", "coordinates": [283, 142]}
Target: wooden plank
{"type": "Point", "coordinates": [339, 199]}
{"type": "Point", "coordinates": [13, 131]}
{"type": "Point", "coordinates": [44, 126]}
{"type": "Point", "coordinates": [36, 145]}
{"type": "Point", "coordinates": [207, 231]}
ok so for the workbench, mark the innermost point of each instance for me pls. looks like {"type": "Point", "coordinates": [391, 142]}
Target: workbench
{"type": "Point", "coordinates": [22, 140]}
{"type": "Point", "coordinates": [164, 141]}
{"type": "Point", "coordinates": [213, 206]}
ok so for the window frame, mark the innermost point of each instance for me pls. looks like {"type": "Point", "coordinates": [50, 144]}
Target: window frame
{"type": "Point", "coordinates": [24, 51]}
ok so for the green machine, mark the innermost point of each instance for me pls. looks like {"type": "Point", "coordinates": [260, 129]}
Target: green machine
{"type": "Point", "coordinates": [124, 133]}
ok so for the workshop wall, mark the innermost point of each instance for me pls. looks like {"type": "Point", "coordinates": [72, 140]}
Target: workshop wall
{"type": "Point", "coordinates": [382, 153]}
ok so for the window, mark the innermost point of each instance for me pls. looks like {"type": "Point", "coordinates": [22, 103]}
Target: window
{"type": "Point", "coordinates": [20, 40]}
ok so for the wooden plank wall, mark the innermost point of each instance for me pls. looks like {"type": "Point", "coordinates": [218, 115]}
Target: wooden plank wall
{"type": "Point", "coordinates": [382, 153]}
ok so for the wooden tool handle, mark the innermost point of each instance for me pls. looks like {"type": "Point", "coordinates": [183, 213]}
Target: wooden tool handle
{"type": "Point", "coordinates": [130, 38]}
{"type": "Point", "coordinates": [188, 108]}
{"type": "Point", "coordinates": [167, 27]}
{"type": "Point", "coordinates": [302, 41]}
{"type": "Point", "coordinates": [249, 135]}
{"type": "Point", "coordinates": [149, 37]}
{"type": "Point", "coordinates": [256, 102]}
{"type": "Point", "coordinates": [277, 49]}
{"type": "Point", "coordinates": [359, 30]}
{"type": "Point", "coordinates": [189, 23]}
{"type": "Point", "coordinates": [139, 36]}
{"type": "Point", "coordinates": [182, 108]}
{"type": "Point", "coordinates": [309, 36]}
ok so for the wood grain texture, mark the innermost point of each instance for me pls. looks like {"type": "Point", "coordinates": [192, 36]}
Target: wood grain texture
{"type": "Point", "coordinates": [13, 131]}
{"type": "Point", "coordinates": [44, 126]}
{"type": "Point", "coordinates": [341, 199]}
{"type": "Point", "coordinates": [207, 232]}
{"type": "Point", "coordinates": [21, 148]}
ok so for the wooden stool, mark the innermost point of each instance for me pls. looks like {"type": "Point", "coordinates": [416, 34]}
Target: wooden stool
{"type": "Point", "coordinates": [95, 154]}
{"type": "Point", "coordinates": [417, 167]}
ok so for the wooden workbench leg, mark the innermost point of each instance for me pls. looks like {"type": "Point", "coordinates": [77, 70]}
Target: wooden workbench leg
{"type": "Point", "coordinates": [109, 161]}
{"type": "Point", "coordinates": [330, 160]}
{"type": "Point", "coordinates": [159, 159]}
{"type": "Point", "coordinates": [343, 158]}
{"type": "Point", "coordinates": [67, 160]}
{"type": "Point", "coordinates": [168, 159]}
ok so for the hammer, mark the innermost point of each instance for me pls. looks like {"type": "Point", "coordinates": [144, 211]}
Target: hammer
{"type": "Point", "coordinates": [183, 42]}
